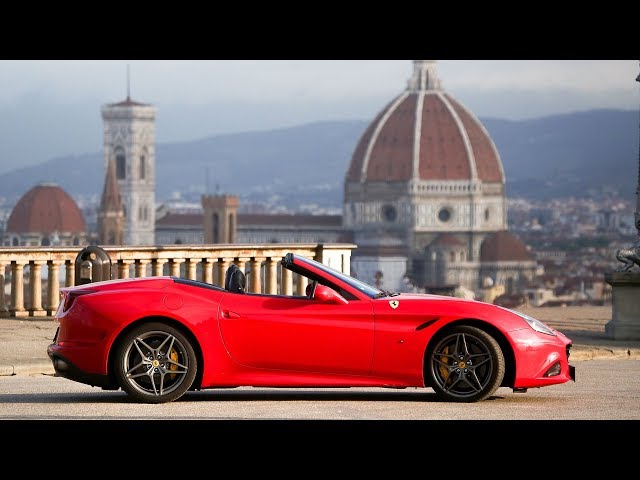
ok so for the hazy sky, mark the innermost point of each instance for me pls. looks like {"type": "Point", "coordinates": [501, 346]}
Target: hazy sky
{"type": "Point", "coordinates": [51, 108]}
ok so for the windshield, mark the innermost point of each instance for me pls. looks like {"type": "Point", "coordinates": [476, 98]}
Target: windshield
{"type": "Point", "coordinates": [365, 288]}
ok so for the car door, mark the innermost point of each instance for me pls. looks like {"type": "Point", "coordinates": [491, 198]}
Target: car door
{"type": "Point", "coordinates": [298, 333]}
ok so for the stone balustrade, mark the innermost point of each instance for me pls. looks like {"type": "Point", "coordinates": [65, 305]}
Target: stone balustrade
{"type": "Point", "coordinates": [32, 276]}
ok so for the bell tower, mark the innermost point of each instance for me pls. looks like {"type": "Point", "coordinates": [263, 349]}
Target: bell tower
{"type": "Point", "coordinates": [129, 141]}
{"type": "Point", "coordinates": [219, 220]}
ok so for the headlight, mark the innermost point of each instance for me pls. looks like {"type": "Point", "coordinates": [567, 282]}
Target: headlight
{"type": "Point", "coordinates": [537, 325]}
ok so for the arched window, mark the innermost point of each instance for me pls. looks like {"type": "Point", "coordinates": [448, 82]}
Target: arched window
{"type": "Point", "coordinates": [121, 164]}
{"type": "Point", "coordinates": [45, 242]}
{"type": "Point", "coordinates": [215, 228]}
{"type": "Point", "coordinates": [15, 241]}
{"type": "Point", "coordinates": [452, 256]}
{"type": "Point", "coordinates": [143, 165]}
{"type": "Point", "coordinates": [76, 241]}
{"type": "Point", "coordinates": [231, 227]}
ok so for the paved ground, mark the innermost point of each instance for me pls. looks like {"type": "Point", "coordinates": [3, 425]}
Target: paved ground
{"type": "Point", "coordinates": [23, 342]}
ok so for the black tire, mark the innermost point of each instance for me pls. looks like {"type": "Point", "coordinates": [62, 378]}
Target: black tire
{"type": "Point", "coordinates": [155, 363]}
{"type": "Point", "coordinates": [465, 364]}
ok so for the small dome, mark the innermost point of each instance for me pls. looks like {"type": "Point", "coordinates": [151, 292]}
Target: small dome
{"type": "Point", "coordinates": [46, 209]}
{"type": "Point", "coordinates": [503, 247]}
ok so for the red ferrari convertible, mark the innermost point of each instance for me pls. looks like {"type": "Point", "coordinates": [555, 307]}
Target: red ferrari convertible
{"type": "Point", "coordinates": [156, 338]}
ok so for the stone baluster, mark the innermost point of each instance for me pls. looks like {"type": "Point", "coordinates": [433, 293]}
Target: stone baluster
{"type": "Point", "coordinates": [190, 269]}
{"type": "Point", "coordinates": [35, 288]}
{"type": "Point", "coordinates": [286, 282]}
{"type": "Point", "coordinates": [17, 290]}
{"type": "Point", "coordinates": [157, 267]}
{"type": "Point", "coordinates": [255, 275]}
{"type": "Point", "coordinates": [70, 273]}
{"type": "Point", "coordinates": [140, 268]}
{"type": "Point", "coordinates": [53, 288]}
{"type": "Point", "coordinates": [207, 270]}
{"type": "Point", "coordinates": [301, 285]}
{"type": "Point", "coordinates": [124, 267]}
{"type": "Point", "coordinates": [174, 266]}
{"type": "Point", "coordinates": [271, 280]}
{"type": "Point", "coordinates": [4, 312]}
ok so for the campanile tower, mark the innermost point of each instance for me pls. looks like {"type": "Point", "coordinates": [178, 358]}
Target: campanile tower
{"type": "Point", "coordinates": [129, 141]}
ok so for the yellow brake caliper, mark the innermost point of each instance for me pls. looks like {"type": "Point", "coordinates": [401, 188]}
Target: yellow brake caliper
{"type": "Point", "coordinates": [444, 371]}
{"type": "Point", "coordinates": [173, 355]}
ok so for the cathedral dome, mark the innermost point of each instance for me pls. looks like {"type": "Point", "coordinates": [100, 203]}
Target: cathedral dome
{"type": "Point", "coordinates": [46, 209]}
{"type": "Point", "coordinates": [503, 247]}
{"type": "Point", "coordinates": [425, 134]}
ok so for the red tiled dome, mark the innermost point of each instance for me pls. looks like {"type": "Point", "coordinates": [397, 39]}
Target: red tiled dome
{"type": "Point", "coordinates": [503, 247]}
{"type": "Point", "coordinates": [46, 209]}
{"type": "Point", "coordinates": [425, 134]}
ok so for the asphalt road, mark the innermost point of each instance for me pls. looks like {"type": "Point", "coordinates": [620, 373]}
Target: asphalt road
{"type": "Point", "coordinates": [604, 390]}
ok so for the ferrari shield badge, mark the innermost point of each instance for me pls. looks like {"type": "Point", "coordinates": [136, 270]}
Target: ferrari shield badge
{"type": "Point", "coordinates": [394, 303]}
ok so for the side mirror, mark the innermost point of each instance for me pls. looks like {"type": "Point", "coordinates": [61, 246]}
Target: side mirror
{"type": "Point", "coordinates": [325, 294]}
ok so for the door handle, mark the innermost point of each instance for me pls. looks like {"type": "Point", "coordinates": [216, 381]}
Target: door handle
{"type": "Point", "coordinates": [230, 314]}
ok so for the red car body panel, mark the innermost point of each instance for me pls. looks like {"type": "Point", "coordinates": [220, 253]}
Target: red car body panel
{"type": "Point", "coordinates": [287, 341]}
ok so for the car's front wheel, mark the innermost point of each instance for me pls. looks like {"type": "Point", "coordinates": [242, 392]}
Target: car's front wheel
{"type": "Point", "coordinates": [155, 363]}
{"type": "Point", "coordinates": [465, 364]}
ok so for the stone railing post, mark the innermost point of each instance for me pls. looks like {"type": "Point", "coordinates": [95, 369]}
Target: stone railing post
{"type": "Point", "coordinates": [207, 270]}
{"type": "Point", "coordinates": [174, 266]}
{"type": "Point", "coordinates": [35, 288]}
{"type": "Point", "coordinates": [286, 282]}
{"type": "Point", "coordinates": [53, 287]}
{"type": "Point", "coordinates": [3, 303]}
{"type": "Point", "coordinates": [157, 267]}
{"type": "Point", "coordinates": [140, 268]}
{"type": "Point", "coordinates": [190, 268]}
{"type": "Point", "coordinates": [124, 267]}
{"type": "Point", "coordinates": [17, 290]}
{"type": "Point", "coordinates": [271, 276]}
{"type": "Point", "coordinates": [255, 275]}
{"type": "Point", "coordinates": [70, 273]}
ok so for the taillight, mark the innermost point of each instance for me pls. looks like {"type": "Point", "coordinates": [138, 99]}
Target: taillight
{"type": "Point", "coordinates": [68, 297]}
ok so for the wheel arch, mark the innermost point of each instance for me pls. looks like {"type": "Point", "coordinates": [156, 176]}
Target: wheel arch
{"type": "Point", "coordinates": [169, 321]}
{"type": "Point", "coordinates": [503, 342]}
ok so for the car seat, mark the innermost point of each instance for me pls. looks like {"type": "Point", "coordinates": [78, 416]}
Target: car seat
{"type": "Point", "coordinates": [235, 280]}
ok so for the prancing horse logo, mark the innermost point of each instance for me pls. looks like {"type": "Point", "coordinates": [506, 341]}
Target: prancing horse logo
{"type": "Point", "coordinates": [394, 303]}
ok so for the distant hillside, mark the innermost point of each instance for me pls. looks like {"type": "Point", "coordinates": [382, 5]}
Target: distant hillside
{"type": "Point", "coordinates": [555, 156]}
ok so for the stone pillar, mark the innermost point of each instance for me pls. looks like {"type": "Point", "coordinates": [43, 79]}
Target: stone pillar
{"type": "Point", "coordinates": [157, 267]}
{"type": "Point", "coordinates": [286, 282]}
{"type": "Point", "coordinates": [140, 268]}
{"type": "Point", "coordinates": [190, 267]}
{"type": "Point", "coordinates": [35, 288]}
{"type": "Point", "coordinates": [271, 279]}
{"type": "Point", "coordinates": [255, 275]}
{"type": "Point", "coordinates": [625, 322]}
{"type": "Point", "coordinates": [207, 270]}
{"type": "Point", "coordinates": [53, 290]}
{"type": "Point", "coordinates": [70, 273]}
{"type": "Point", "coordinates": [3, 304]}
{"type": "Point", "coordinates": [301, 285]}
{"type": "Point", "coordinates": [123, 268]}
{"type": "Point", "coordinates": [174, 267]}
{"type": "Point", "coordinates": [17, 290]}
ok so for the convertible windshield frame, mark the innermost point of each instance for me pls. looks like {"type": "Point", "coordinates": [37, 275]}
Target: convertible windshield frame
{"type": "Point", "coordinates": [369, 290]}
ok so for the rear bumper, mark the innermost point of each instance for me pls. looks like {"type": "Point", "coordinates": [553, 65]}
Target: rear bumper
{"type": "Point", "coordinates": [66, 369]}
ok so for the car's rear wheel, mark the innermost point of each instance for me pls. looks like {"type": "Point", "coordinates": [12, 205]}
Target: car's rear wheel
{"type": "Point", "coordinates": [465, 364]}
{"type": "Point", "coordinates": [155, 363]}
